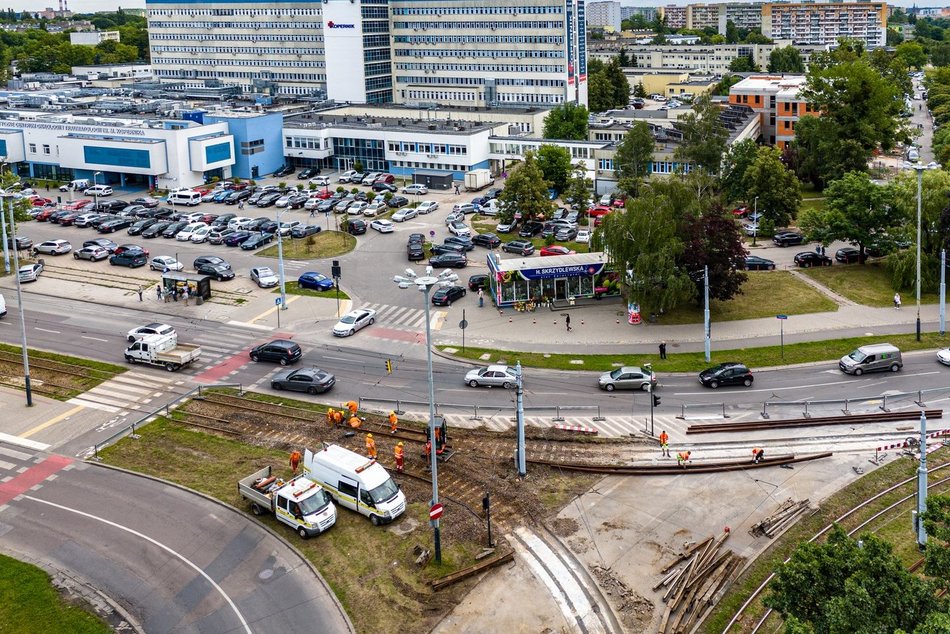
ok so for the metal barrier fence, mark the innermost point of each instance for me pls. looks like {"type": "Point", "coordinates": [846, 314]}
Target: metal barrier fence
{"type": "Point", "coordinates": [881, 401]}
{"type": "Point", "coordinates": [477, 410]}
{"type": "Point", "coordinates": [130, 429]}
{"type": "Point", "coordinates": [719, 408]}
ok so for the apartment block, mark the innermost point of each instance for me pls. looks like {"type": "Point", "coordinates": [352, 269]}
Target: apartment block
{"type": "Point", "coordinates": [604, 14]}
{"type": "Point", "coordinates": [826, 22]}
{"type": "Point", "coordinates": [674, 16]}
{"type": "Point", "coordinates": [648, 13]}
{"type": "Point", "coordinates": [778, 102]}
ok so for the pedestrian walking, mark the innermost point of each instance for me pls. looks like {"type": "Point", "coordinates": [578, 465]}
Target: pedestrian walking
{"type": "Point", "coordinates": [393, 423]}
{"type": "Point", "coordinates": [186, 294]}
{"type": "Point", "coordinates": [758, 455]}
{"type": "Point", "coordinates": [567, 320]}
{"type": "Point", "coordinates": [662, 349]}
{"type": "Point", "coordinates": [370, 446]}
{"type": "Point", "coordinates": [822, 250]}
{"type": "Point", "coordinates": [241, 205]}
{"type": "Point", "coordinates": [481, 298]}
{"type": "Point", "coordinates": [682, 458]}
{"type": "Point", "coordinates": [818, 249]}
{"type": "Point", "coordinates": [399, 453]}
{"type": "Point", "coordinates": [158, 292]}
{"type": "Point", "coordinates": [664, 444]}
{"type": "Point", "coordinates": [456, 190]}
{"type": "Point", "coordinates": [140, 292]}
{"type": "Point", "coordinates": [897, 301]}
{"type": "Point", "coordinates": [294, 461]}
{"type": "Point", "coordinates": [313, 212]}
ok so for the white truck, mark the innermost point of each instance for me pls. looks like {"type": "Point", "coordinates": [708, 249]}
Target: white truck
{"type": "Point", "coordinates": [299, 503]}
{"type": "Point", "coordinates": [478, 179]}
{"type": "Point", "coordinates": [356, 482]}
{"type": "Point", "coordinates": [163, 350]}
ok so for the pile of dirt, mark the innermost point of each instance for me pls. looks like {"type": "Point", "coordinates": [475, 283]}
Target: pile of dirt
{"type": "Point", "coordinates": [635, 611]}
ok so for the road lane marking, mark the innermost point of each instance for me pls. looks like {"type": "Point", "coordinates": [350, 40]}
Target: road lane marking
{"type": "Point", "coordinates": [23, 442]}
{"type": "Point", "coordinates": [157, 543]}
{"type": "Point", "coordinates": [272, 309]}
{"type": "Point", "coordinates": [95, 338]}
{"type": "Point", "coordinates": [51, 421]}
{"type": "Point", "coordinates": [55, 332]}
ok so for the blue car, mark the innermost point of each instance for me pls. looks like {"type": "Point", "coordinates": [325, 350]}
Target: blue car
{"type": "Point", "coordinates": [316, 281]}
{"type": "Point", "coordinates": [220, 196]}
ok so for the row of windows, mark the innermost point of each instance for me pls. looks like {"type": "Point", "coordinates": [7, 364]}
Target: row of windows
{"type": "Point", "coordinates": [246, 12]}
{"type": "Point", "coordinates": [519, 149]}
{"type": "Point", "coordinates": [511, 98]}
{"type": "Point", "coordinates": [376, 55]}
{"type": "Point", "coordinates": [237, 75]}
{"type": "Point", "coordinates": [181, 61]}
{"type": "Point", "coordinates": [479, 81]}
{"type": "Point", "coordinates": [427, 148]}
{"type": "Point", "coordinates": [376, 26]}
{"type": "Point", "coordinates": [521, 25]}
{"type": "Point", "coordinates": [483, 68]}
{"type": "Point", "coordinates": [233, 50]}
{"type": "Point", "coordinates": [381, 13]}
{"type": "Point", "coordinates": [373, 41]}
{"type": "Point", "coordinates": [405, 52]}
{"type": "Point", "coordinates": [480, 39]}
{"type": "Point", "coordinates": [378, 69]}
{"type": "Point", "coordinates": [306, 143]}
{"type": "Point", "coordinates": [246, 26]}
{"type": "Point", "coordinates": [378, 83]}
{"type": "Point", "coordinates": [475, 10]}
{"type": "Point", "coordinates": [430, 166]}
{"type": "Point", "coordinates": [235, 37]}
{"type": "Point", "coordinates": [440, 96]}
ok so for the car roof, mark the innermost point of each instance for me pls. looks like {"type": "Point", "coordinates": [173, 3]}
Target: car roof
{"type": "Point", "coordinates": [497, 368]}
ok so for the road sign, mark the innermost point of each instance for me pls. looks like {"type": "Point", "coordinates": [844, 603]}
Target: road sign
{"type": "Point", "coordinates": [781, 316]}
{"type": "Point", "coordinates": [463, 324]}
{"type": "Point", "coordinates": [436, 511]}
{"type": "Point", "coordinates": [278, 301]}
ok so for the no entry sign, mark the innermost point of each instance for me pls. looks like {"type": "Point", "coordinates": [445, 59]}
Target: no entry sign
{"type": "Point", "coordinates": [436, 511]}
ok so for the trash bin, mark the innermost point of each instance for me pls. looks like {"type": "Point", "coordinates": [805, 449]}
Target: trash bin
{"type": "Point", "coordinates": [199, 300]}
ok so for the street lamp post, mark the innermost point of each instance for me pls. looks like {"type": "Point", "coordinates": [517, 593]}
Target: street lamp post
{"type": "Point", "coordinates": [920, 167]}
{"type": "Point", "coordinates": [280, 264]}
{"type": "Point", "coordinates": [425, 284]}
{"type": "Point", "coordinates": [19, 299]}
{"type": "Point", "coordinates": [94, 184]}
{"type": "Point", "coordinates": [755, 219]}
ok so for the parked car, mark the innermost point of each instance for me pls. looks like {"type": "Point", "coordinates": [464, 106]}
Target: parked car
{"type": "Point", "coordinates": [415, 251]}
{"type": "Point", "coordinates": [218, 236]}
{"type": "Point", "coordinates": [565, 234]}
{"type": "Point", "coordinates": [138, 227]}
{"type": "Point", "coordinates": [209, 259]}
{"type": "Point", "coordinates": [463, 241]}
{"type": "Point", "coordinates": [427, 207]}
{"type": "Point", "coordinates": [357, 227]}
{"type": "Point", "coordinates": [755, 263]}
{"type": "Point", "coordinates": [285, 170]}
{"type": "Point", "coordinates": [459, 229]}
{"type": "Point", "coordinates": [397, 202]}
{"type": "Point", "coordinates": [531, 229]}
{"type": "Point", "coordinates": [115, 225]}
{"type": "Point", "coordinates": [449, 260]}
{"type": "Point", "coordinates": [173, 229]}
{"type": "Point", "coordinates": [556, 249]}
{"type": "Point", "coordinates": [381, 225]}
{"type": "Point", "coordinates": [235, 239]}
{"type": "Point", "coordinates": [417, 189]}
{"type": "Point", "coordinates": [282, 351]}
{"type": "Point", "coordinates": [302, 231]}
{"type": "Point", "coordinates": [146, 201]}
{"type": "Point", "coordinates": [320, 181]}
{"type": "Point", "coordinates": [847, 255]}
{"type": "Point", "coordinates": [165, 263]}
{"type": "Point", "coordinates": [264, 277]}
{"type": "Point", "coordinates": [53, 247]}
{"type": "Point", "coordinates": [807, 259]}
{"type": "Point", "coordinates": [463, 208]}
{"type": "Point", "coordinates": [380, 186]}
{"type": "Point", "coordinates": [487, 240]}
{"type": "Point", "coordinates": [492, 376]}
{"type": "Point", "coordinates": [439, 249]}
{"type": "Point", "coordinates": [445, 296]}
{"type": "Point", "coordinates": [726, 374]}
{"type": "Point", "coordinates": [98, 190]}
{"type": "Point", "coordinates": [155, 230]}
{"type": "Point", "coordinates": [308, 172]}
{"type": "Point", "coordinates": [406, 213]}
{"type": "Point", "coordinates": [353, 321]}
{"type": "Point", "coordinates": [627, 378]}
{"type": "Point", "coordinates": [477, 281]}
{"type": "Point", "coordinates": [217, 271]}
{"type": "Point", "coordinates": [309, 380]}
{"type": "Point", "coordinates": [504, 227]}
{"type": "Point", "coordinates": [520, 247]}
{"type": "Point", "coordinates": [315, 281]}
{"type": "Point", "coordinates": [30, 272]}
{"type": "Point", "coordinates": [130, 258]}
{"type": "Point", "coordinates": [787, 238]}
{"type": "Point", "coordinates": [256, 241]}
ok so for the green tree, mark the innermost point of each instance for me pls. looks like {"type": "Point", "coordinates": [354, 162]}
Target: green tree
{"type": "Point", "coordinates": [755, 37]}
{"type": "Point", "coordinates": [850, 586]}
{"type": "Point", "coordinates": [633, 157]}
{"type": "Point", "coordinates": [567, 121]}
{"type": "Point", "coordinates": [621, 87]}
{"type": "Point", "coordinates": [856, 210]}
{"type": "Point", "coordinates": [623, 59]}
{"type": "Point", "coordinates": [554, 162]}
{"type": "Point", "coordinates": [778, 189]}
{"type": "Point", "coordinates": [600, 94]}
{"type": "Point", "coordinates": [704, 136]}
{"type": "Point", "coordinates": [743, 64]}
{"type": "Point", "coordinates": [937, 524]}
{"type": "Point", "coordinates": [735, 164]}
{"type": "Point", "coordinates": [639, 90]}
{"type": "Point", "coordinates": [732, 32]}
{"type": "Point", "coordinates": [893, 37]}
{"type": "Point", "coordinates": [579, 188]}
{"type": "Point", "coordinates": [912, 54]}
{"type": "Point", "coordinates": [940, 54]}
{"type": "Point", "coordinates": [526, 191]}
{"type": "Point", "coordinates": [711, 239]}
{"type": "Point", "coordinates": [786, 59]}
{"type": "Point", "coordinates": [727, 82]}
{"type": "Point", "coordinates": [935, 190]}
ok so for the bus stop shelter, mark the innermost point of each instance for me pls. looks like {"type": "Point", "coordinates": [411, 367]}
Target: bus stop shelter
{"type": "Point", "coordinates": [199, 286]}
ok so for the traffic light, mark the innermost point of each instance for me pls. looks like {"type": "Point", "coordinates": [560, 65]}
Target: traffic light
{"type": "Point", "coordinates": [389, 366]}
{"type": "Point", "coordinates": [656, 400]}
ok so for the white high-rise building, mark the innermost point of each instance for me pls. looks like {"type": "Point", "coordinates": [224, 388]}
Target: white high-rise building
{"type": "Point", "coordinates": [604, 14]}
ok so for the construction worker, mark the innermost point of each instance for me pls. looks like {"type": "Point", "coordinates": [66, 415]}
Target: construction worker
{"type": "Point", "coordinates": [331, 416]}
{"type": "Point", "coordinates": [355, 422]}
{"type": "Point", "coordinates": [352, 406]}
{"type": "Point", "coordinates": [370, 446]}
{"type": "Point", "coordinates": [338, 417]}
{"type": "Point", "coordinates": [295, 461]}
{"type": "Point", "coordinates": [682, 458]}
{"type": "Point", "coordinates": [398, 452]}
{"type": "Point", "coordinates": [665, 444]}
{"type": "Point", "coordinates": [393, 423]}
{"type": "Point", "coordinates": [758, 455]}
{"type": "Point", "coordinates": [428, 455]}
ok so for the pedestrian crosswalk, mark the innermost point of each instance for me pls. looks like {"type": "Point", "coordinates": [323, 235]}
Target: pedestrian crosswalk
{"type": "Point", "coordinates": [412, 319]}
{"type": "Point", "coordinates": [129, 391]}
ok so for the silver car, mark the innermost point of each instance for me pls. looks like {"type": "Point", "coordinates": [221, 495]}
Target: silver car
{"type": "Point", "coordinates": [353, 321]}
{"type": "Point", "coordinates": [629, 377]}
{"type": "Point", "coordinates": [492, 376]}
{"type": "Point", "coordinates": [264, 277]}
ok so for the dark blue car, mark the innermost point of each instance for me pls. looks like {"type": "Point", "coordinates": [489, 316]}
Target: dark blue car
{"type": "Point", "coordinates": [316, 281]}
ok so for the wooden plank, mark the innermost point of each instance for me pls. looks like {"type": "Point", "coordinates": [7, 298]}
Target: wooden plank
{"type": "Point", "coordinates": [455, 577]}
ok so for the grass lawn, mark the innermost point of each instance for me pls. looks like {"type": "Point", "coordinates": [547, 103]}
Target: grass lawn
{"type": "Point", "coordinates": [869, 284]}
{"type": "Point", "coordinates": [51, 379]}
{"type": "Point", "coordinates": [293, 288]}
{"type": "Point", "coordinates": [765, 294]}
{"type": "Point", "coordinates": [31, 605]}
{"type": "Point", "coordinates": [811, 203]}
{"type": "Point", "coordinates": [768, 356]}
{"type": "Point", "coordinates": [326, 244]}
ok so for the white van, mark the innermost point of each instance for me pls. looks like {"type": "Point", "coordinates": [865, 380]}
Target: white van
{"type": "Point", "coordinates": [185, 197]}
{"type": "Point", "coordinates": [356, 482]}
{"type": "Point", "coordinates": [3, 306]}
{"type": "Point", "coordinates": [80, 184]}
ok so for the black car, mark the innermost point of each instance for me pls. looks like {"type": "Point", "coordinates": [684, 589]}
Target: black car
{"type": "Point", "coordinates": [237, 196]}
{"type": "Point", "coordinates": [268, 199]}
{"type": "Point", "coordinates": [131, 259]}
{"type": "Point", "coordinates": [488, 240]}
{"type": "Point", "coordinates": [787, 238]}
{"type": "Point", "coordinates": [463, 241]}
{"type": "Point", "coordinates": [310, 172]}
{"type": "Point", "coordinates": [449, 260]}
{"type": "Point", "coordinates": [726, 374]}
{"type": "Point", "coordinates": [478, 281]}
{"type": "Point", "coordinates": [256, 241]}
{"type": "Point", "coordinates": [415, 251]}
{"type": "Point", "coordinates": [216, 271]}
{"type": "Point", "coordinates": [136, 211]}
{"type": "Point", "coordinates": [302, 231]}
{"type": "Point", "coordinates": [445, 296]}
{"type": "Point", "coordinates": [222, 221]}
{"type": "Point", "coordinates": [256, 224]}
{"type": "Point", "coordinates": [209, 259]}
{"type": "Point", "coordinates": [114, 205]}
{"type": "Point", "coordinates": [755, 263]}
{"type": "Point", "coordinates": [115, 225]}
{"type": "Point", "coordinates": [492, 193]}
{"type": "Point", "coordinates": [520, 247]}
{"type": "Point", "coordinates": [326, 206]}
{"type": "Point", "coordinates": [269, 226]}
{"type": "Point", "coordinates": [156, 230]}
{"type": "Point", "coordinates": [309, 380]}
{"type": "Point", "coordinates": [173, 229]}
{"type": "Point", "coordinates": [105, 243]}
{"type": "Point", "coordinates": [396, 202]}
{"type": "Point", "coordinates": [847, 255]}
{"type": "Point", "coordinates": [282, 351]}
{"type": "Point", "coordinates": [285, 170]}
{"type": "Point", "coordinates": [296, 201]}
{"type": "Point", "coordinates": [807, 259]}
{"type": "Point", "coordinates": [164, 213]}
{"type": "Point", "coordinates": [448, 247]}
{"type": "Point", "coordinates": [235, 239]}
{"type": "Point", "coordinates": [138, 227]}
{"type": "Point", "coordinates": [384, 187]}
{"type": "Point", "coordinates": [531, 229]}
{"type": "Point", "coordinates": [356, 227]}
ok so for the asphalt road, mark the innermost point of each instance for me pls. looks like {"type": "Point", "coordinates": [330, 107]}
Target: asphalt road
{"type": "Point", "coordinates": [177, 562]}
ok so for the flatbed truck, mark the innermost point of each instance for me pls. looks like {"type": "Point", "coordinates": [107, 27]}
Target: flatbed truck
{"type": "Point", "coordinates": [162, 350]}
{"type": "Point", "coordinates": [299, 503]}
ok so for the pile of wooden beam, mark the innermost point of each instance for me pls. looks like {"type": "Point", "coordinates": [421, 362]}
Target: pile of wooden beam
{"type": "Point", "coordinates": [785, 516]}
{"type": "Point", "coordinates": [692, 581]}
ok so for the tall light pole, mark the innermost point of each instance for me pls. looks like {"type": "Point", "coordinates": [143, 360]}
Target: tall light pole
{"type": "Point", "coordinates": [3, 224]}
{"type": "Point", "coordinates": [280, 264]}
{"type": "Point", "coordinates": [19, 300]}
{"type": "Point", "coordinates": [920, 167]}
{"type": "Point", "coordinates": [755, 219]}
{"type": "Point", "coordinates": [94, 183]}
{"type": "Point", "coordinates": [425, 284]}
{"type": "Point", "coordinates": [706, 324]}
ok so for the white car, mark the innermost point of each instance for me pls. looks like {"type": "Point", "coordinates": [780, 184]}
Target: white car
{"type": "Point", "coordinates": [236, 222]}
{"type": "Point", "coordinates": [454, 216]}
{"type": "Point", "coordinates": [53, 247]}
{"type": "Point", "coordinates": [943, 356]}
{"type": "Point", "coordinates": [99, 190]}
{"type": "Point", "coordinates": [357, 208]}
{"type": "Point", "coordinates": [406, 213]}
{"type": "Point", "coordinates": [382, 225]}
{"type": "Point", "coordinates": [201, 234]}
{"type": "Point", "coordinates": [750, 228]}
{"type": "Point", "coordinates": [165, 263]}
{"type": "Point", "coordinates": [149, 329]}
{"type": "Point", "coordinates": [375, 208]}
{"type": "Point", "coordinates": [415, 188]}
{"type": "Point", "coordinates": [353, 321]}
{"type": "Point", "coordinates": [283, 201]}
{"type": "Point", "coordinates": [193, 217]}
{"type": "Point", "coordinates": [320, 181]}
{"type": "Point", "coordinates": [347, 175]}
{"type": "Point", "coordinates": [264, 276]}
{"type": "Point", "coordinates": [491, 208]}
{"type": "Point", "coordinates": [287, 227]}
{"type": "Point", "coordinates": [583, 235]}
{"type": "Point", "coordinates": [427, 207]}
{"type": "Point", "coordinates": [189, 230]}
{"type": "Point", "coordinates": [460, 229]}
{"type": "Point", "coordinates": [29, 272]}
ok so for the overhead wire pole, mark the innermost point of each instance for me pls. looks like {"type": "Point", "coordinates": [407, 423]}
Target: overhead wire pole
{"type": "Point", "coordinates": [706, 311]}
{"type": "Point", "coordinates": [922, 484]}
{"type": "Point", "coordinates": [280, 269]}
{"type": "Point", "coordinates": [19, 299]}
{"type": "Point", "coordinates": [3, 225]}
{"type": "Point", "coordinates": [920, 180]}
{"type": "Point", "coordinates": [943, 292]}
{"type": "Point", "coordinates": [519, 417]}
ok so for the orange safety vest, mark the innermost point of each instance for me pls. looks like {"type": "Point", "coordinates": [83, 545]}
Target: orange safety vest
{"type": "Point", "coordinates": [370, 446]}
{"type": "Point", "coordinates": [684, 456]}
{"type": "Point", "coordinates": [398, 451]}
{"type": "Point", "coordinates": [664, 438]}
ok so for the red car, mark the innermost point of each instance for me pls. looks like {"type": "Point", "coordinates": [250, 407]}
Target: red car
{"type": "Point", "coordinates": [322, 194]}
{"type": "Point", "coordinates": [39, 201]}
{"type": "Point", "coordinates": [556, 249]}
{"type": "Point", "coordinates": [44, 215]}
{"type": "Point", "coordinates": [598, 211]}
{"type": "Point", "coordinates": [739, 212]}
{"type": "Point", "coordinates": [129, 247]}
{"type": "Point", "coordinates": [76, 205]}
{"type": "Point", "coordinates": [620, 202]}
